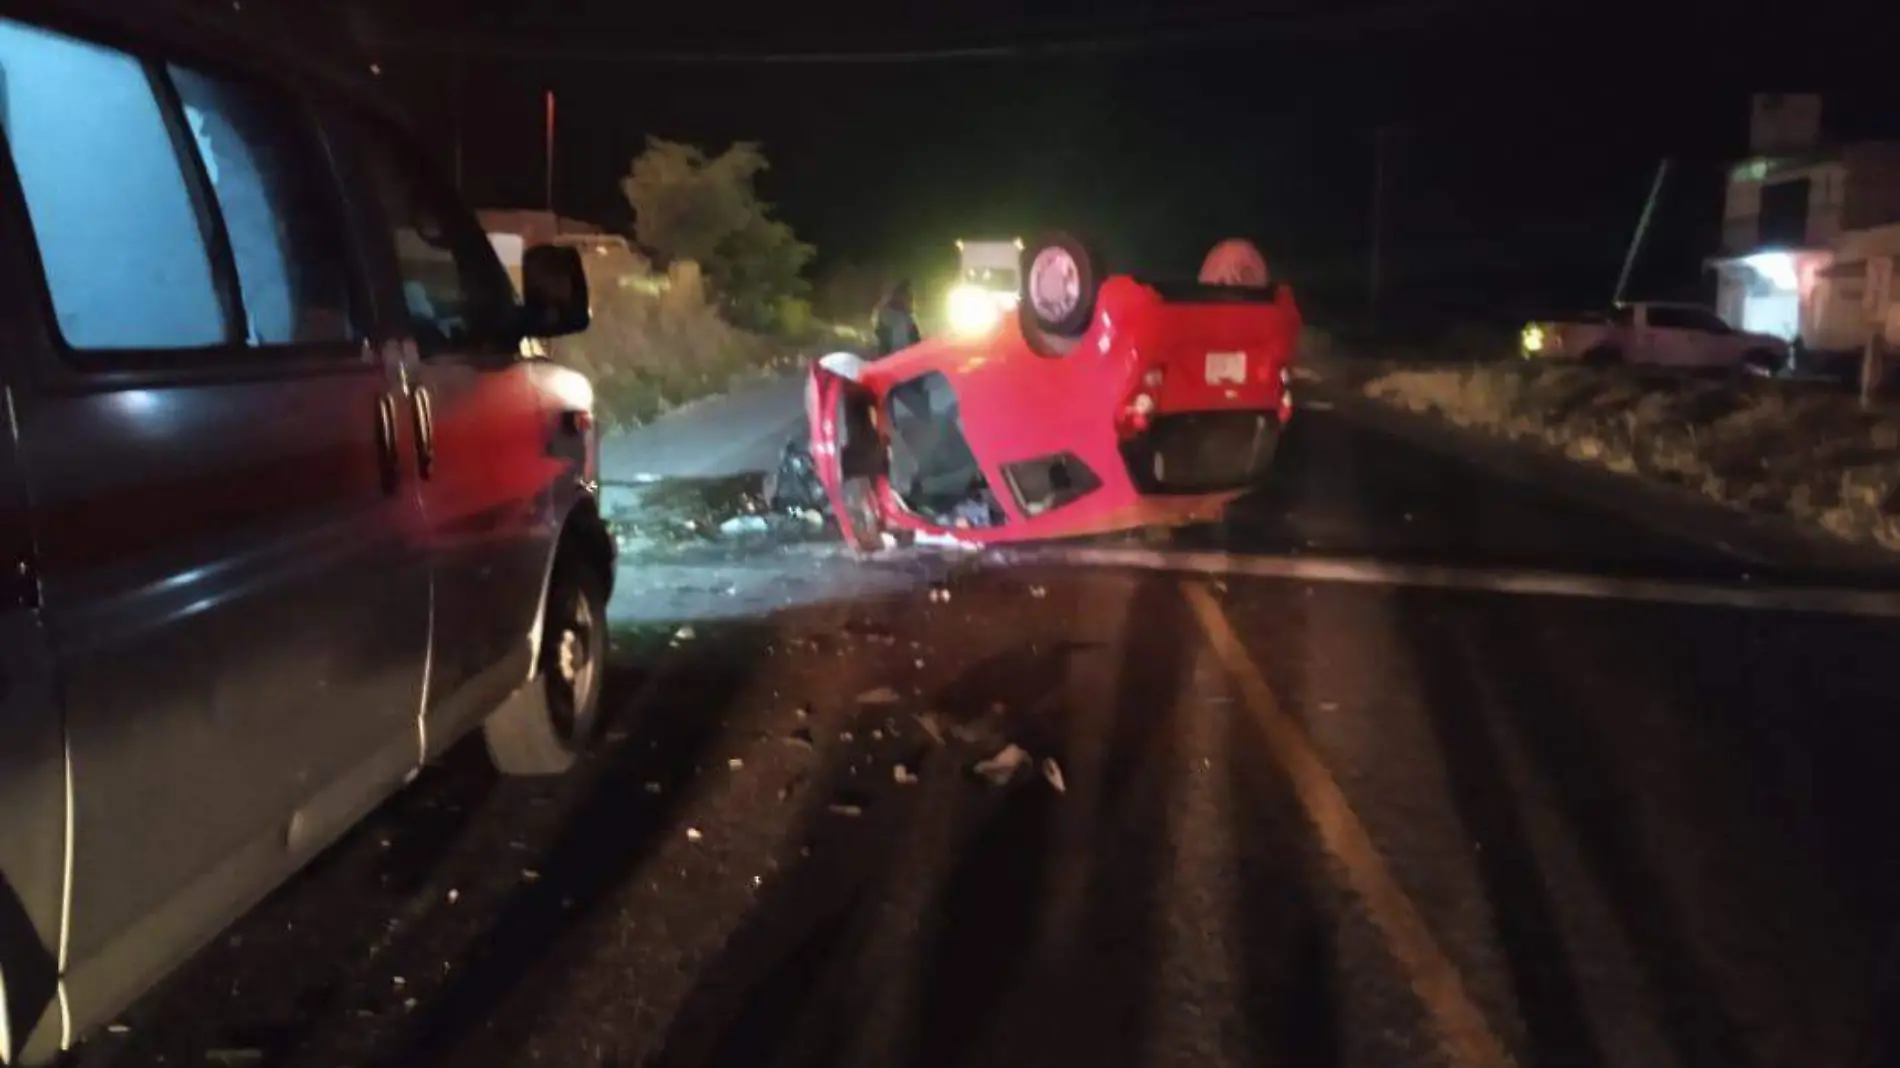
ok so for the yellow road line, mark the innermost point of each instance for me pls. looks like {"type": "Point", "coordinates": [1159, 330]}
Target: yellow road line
{"type": "Point", "coordinates": [1462, 1029]}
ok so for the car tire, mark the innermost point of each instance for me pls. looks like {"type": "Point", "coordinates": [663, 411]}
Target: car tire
{"type": "Point", "coordinates": [1059, 276]}
{"type": "Point", "coordinates": [543, 730]}
{"type": "Point", "coordinates": [1603, 356]}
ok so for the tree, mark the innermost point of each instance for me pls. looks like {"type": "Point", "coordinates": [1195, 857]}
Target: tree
{"type": "Point", "coordinates": [691, 206]}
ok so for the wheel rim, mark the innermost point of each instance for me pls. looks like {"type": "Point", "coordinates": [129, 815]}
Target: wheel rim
{"type": "Point", "coordinates": [574, 667]}
{"type": "Point", "coordinates": [1055, 284]}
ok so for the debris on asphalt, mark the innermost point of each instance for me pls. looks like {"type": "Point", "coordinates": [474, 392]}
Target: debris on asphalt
{"type": "Point", "coordinates": [1002, 767]}
{"type": "Point", "coordinates": [653, 788]}
{"type": "Point", "coordinates": [1038, 592]}
{"type": "Point", "coordinates": [744, 524]}
{"type": "Point", "coordinates": [846, 736]}
{"type": "Point", "coordinates": [454, 896]}
{"type": "Point", "coordinates": [877, 735]}
{"type": "Point", "coordinates": [903, 775]}
{"type": "Point", "coordinates": [939, 595]}
{"type": "Point", "coordinates": [932, 725]}
{"type": "Point", "coordinates": [693, 835]}
{"type": "Point", "coordinates": [1329, 706]}
{"type": "Point", "coordinates": [802, 711]}
{"type": "Point", "coordinates": [1052, 771]}
{"type": "Point", "coordinates": [802, 738]}
{"type": "Point", "coordinates": [117, 1029]}
{"type": "Point", "coordinates": [883, 695]}
{"type": "Point", "coordinates": [735, 764]}
{"type": "Point", "coordinates": [530, 875]}
{"type": "Point", "coordinates": [852, 811]}
{"type": "Point", "coordinates": [246, 1055]}
{"type": "Point", "coordinates": [397, 980]}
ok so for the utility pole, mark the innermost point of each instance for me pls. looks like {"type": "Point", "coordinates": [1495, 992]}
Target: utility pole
{"type": "Point", "coordinates": [460, 90]}
{"type": "Point", "coordinates": [1378, 220]}
{"type": "Point", "coordinates": [1642, 227]}
{"type": "Point", "coordinates": [550, 160]}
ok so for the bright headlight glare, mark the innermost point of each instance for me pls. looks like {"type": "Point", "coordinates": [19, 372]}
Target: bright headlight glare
{"type": "Point", "coordinates": [972, 310]}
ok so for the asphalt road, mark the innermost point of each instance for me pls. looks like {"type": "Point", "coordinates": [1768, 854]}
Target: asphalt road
{"type": "Point", "coordinates": [1300, 821]}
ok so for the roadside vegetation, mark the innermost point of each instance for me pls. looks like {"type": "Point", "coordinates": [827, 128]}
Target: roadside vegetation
{"type": "Point", "coordinates": [1808, 452]}
{"type": "Point", "coordinates": [716, 291]}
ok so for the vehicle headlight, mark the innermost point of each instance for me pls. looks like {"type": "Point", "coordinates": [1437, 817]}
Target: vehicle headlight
{"type": "Point", "coordinates": [973, 310]}
{"type": "Point", "coordinates": [1533, 339]}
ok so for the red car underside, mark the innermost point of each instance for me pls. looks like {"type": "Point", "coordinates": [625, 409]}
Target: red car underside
{"type": "Point", "coordinates": [1166, 409]}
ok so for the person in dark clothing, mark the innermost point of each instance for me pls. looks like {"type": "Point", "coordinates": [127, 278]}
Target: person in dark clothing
{"type": "Point", "coordinates": [894, 325]}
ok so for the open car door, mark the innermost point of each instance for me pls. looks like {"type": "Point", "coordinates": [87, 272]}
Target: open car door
{"type": "Point", "coordinates": [847, 451]}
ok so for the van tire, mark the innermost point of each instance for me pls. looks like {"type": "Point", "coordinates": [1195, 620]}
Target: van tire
{"type": "Point", "coordinates": [543, 729]}
{"type": "Point", "coordinates": [1762, 362]}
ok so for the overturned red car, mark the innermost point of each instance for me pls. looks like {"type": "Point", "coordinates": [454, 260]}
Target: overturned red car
{"type": "Point", "coordinates": [1099, 405]}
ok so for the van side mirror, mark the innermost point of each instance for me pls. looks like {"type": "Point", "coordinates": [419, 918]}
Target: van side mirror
{"type": "Point", "coordinates": [553, 292]}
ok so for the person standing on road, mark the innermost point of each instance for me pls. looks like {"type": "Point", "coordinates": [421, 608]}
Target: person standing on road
{"type": "Point", "coordinates": [894, 324]}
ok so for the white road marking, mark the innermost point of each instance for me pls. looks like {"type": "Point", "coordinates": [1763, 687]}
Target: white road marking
{"type": "Point", "coordinates": [1463, 1031]}
{"type": "Point", "coordinates": [1521, 582]}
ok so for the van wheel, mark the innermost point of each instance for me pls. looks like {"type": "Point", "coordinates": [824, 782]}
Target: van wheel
{"type": "Point", "coordinates": [543, 729]}
{"type": "Point", "coordinates": [1762, 362]}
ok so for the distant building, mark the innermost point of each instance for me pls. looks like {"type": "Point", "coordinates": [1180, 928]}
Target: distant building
{"type": "Point", "coordinates": [513, 232]}
{"type": "Point", "coordinates": [533, 227]}
{"type": "Point", "coordinates": [1807, 224]}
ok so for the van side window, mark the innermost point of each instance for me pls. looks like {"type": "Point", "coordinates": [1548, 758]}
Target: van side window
{"type": "Point", "coordinates": [274, 190]}
{"type": "Point", "coordinates": [454, 289]}
{"type": "Point", "coordinates": [121, 241]}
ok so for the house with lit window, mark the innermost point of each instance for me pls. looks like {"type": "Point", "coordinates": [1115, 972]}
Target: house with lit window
{"type": "Point", "coordinates": [1810, 227]}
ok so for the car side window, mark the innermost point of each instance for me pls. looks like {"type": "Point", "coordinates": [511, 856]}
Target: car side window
{"type": "Point", "coordinates": [122, 242]}
{"type": "Point", "coordinates": [455, 293]}
{"type": "Point", "coordinates": [276, 194]}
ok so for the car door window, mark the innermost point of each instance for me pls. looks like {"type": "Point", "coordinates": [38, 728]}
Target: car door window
{"type": "Point", "coordinates": [274, 191]}
{"type": "Point", "coordinates": [122, 242]}
{"type": "Point", "coordinates": [455, 294]}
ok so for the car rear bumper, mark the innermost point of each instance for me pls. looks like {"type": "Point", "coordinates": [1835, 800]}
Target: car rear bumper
{"type": "Point", "coordinates": [1202, 452]}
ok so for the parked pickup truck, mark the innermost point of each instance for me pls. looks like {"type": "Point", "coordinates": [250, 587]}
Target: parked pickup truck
{"type": "Point", "coordinates": [1676, 335]}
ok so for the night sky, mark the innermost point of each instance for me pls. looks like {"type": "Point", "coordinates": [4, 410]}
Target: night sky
{"type": "Point", "coordinates": [1522, 137]}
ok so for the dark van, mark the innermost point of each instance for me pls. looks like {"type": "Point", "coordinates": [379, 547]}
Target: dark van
{"type": "Point", "coordinates": [284, 510]}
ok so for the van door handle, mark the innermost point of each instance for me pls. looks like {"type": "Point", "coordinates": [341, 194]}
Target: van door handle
{"type": "Point", "coordinates": [386, 442]}
{"type": "Point", "coordinates": [424, 409]}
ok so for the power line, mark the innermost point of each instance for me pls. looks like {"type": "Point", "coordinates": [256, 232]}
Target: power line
{"type": "Point", "coordinates": [1370, 17]}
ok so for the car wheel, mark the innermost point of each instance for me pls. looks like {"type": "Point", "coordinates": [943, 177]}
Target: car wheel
{"type": "Point", "coordinates": [1603, 356]}
{"type": "Point", "coordinates": [542, 730]}
{"type": "Point", "coordinates": [1059, 278]}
